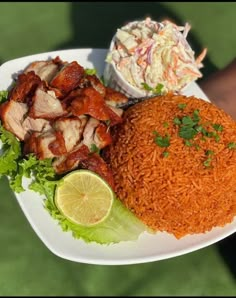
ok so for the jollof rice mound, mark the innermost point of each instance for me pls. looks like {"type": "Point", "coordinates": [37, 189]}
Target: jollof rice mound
{"type": "Point", "coordinates": [187, 187]}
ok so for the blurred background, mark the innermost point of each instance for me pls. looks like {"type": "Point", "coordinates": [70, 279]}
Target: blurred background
{"type": "Point", "coordinates": [27, 267]}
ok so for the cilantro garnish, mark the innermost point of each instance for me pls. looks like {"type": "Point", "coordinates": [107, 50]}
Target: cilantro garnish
{"type": "Point", "coordinates": [182, 105]}
{"type": "Point", "coordinates": [207, 162]}
{"type": "Point", "coordinates": [146, 87]}
{"type": "Point", "coordinates": [161, 141]}
{"type": "Point", "coordinates": [232, 145]}
{"type": "Point", "coordinates": [177, 121]}
{"type": "Point", "coordinates": [90, 71]}
{"type": "Point", "coordinates": [209, 152]}
{"type": "Point", "coordinates": [188, 143]}
{"type": "Point", "coordinates": [165, 153]}
{"type": "Point", "coordinates": [217, 127]}
{"type": "Point", "coordinates": [94, 149]}
{"type": "Point", "coordinates": [187, 132]}
{"type": "Point", "coordinates": [166, 124]}
{"type": "Point", "coordinates": [158, 90]}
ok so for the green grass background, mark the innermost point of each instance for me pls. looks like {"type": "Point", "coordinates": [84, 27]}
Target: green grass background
{"type": "Point", "coordinates": [27, 267]}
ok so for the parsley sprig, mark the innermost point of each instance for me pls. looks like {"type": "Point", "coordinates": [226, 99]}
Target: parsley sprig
{"type": "Point", "coordinates": [161, 141]}
{"type": "Point", "coordinates": [188, 125]}
{"type": "Point", "coordinates": [158, 90]}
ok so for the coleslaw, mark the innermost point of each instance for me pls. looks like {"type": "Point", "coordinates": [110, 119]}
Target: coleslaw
{"type": "Point", "coordinates": [153, 56]}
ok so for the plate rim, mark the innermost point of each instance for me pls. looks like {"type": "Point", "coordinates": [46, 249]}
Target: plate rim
{"type": "Point", "coordinates": [100, 261]}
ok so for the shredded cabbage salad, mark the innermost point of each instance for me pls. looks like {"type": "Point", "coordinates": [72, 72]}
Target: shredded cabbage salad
{"type": "Point", "coordinates": [150, 55]}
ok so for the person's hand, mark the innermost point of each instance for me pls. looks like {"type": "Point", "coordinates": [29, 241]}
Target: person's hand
{"type": "Point", "coordinates": [220, 88]}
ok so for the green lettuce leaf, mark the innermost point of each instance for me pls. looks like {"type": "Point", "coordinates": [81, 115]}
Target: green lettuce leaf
{"type": "Point", "coordinates": [9, 153]}
{"type": "Point", "coordinates": [3, 96]}
{"type": "Point", "coordinates": [120, 225]}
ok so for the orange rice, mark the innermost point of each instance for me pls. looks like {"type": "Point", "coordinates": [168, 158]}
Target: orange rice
{"type": "Point", "coordinates": [177, 193]}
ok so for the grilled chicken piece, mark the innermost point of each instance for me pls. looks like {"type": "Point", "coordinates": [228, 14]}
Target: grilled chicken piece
{"type": "Point", "coordinates": [93, 81]}
{"type": "Point", "coordinates": [88, 134]}
{"type": "Point", "coordinates": [66, 101]}
{"type": "Point", "coordinates": [12, 114]}
{"type": "Point", "coordinates": [72, 129]}
{"type": "Point", "coordinates": [90, 102]}
{"type": "Point", "coordinates": [71, 160]}
{"type": "Point", "coordinates": [115, 115]}
{"type": "Point", "coordinates": [45, 145]}
{"type": "Point", "coordinates": [46, 70]}
{"type": "Point", "coordinates": [58, 147]}
{"type": "Point", "coordinates": [102, 136]}
{"type": "Point", "coordinates": [96, 164]}
{"type": "Point", "coordinates": [96, 133]}
{"type": "Point", "coordinates": [113, 97]}
{"type": "Point", "coordinates": [31, 125]}
{"type": "Point", "coordinates": [25, 86]}
{"type": "Point", "coordinates": [68, 78]}
{"type": "Point", "coordinates": [46, 105]}
{"type": "Point", "coordinates": [85, 82]}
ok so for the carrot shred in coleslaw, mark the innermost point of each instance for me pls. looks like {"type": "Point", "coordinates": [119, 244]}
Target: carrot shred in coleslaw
{"type": "Point", "coordinates": [155, 53]}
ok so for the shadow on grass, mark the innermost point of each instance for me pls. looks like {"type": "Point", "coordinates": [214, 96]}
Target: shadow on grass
{"type": "Point", "coordinates": [227, 250]}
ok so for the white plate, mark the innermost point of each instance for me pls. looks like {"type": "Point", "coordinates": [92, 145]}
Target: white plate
{"type": "Point", "coordinates": [148, 247]}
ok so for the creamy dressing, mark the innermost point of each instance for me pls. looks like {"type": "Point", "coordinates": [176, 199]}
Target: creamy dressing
{"type": "Point", "coordinates": [155, 53]}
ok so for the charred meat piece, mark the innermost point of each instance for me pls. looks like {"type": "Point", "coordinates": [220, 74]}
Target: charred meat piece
{"type": "Point", "coordinates": [45, 145]}
{"type": "Point", "coordinates": [57, 147]}
{"type": "Point", "coordinates": [66, 101]}
{"type": "Point", "coordinates": [93, 81]}
{"type": "Point", "coordinates": [96, 133]}
{"type": "Point", "coordinates": [46, 105]}
{"type": "Point", "coordinates": [25, 86]}
{"type": "Point", "coordinates": [72, 129]}
{"type": "Point", "coordinates": [115, 115]}
{"type": "Point", "coordinates": [31, 125]}
{"type": "Point", "coordinates": [59, 62]}
{"type": "Point", "coordinates": [71, 160]}
{"type": "Point", "coordinates": [12, 114]}
{"type": "Point", "coordinates": [14, 117]}
{"type": "Point", "coordinates": [57, 92]}
{"type": "Point", "coordinates": [88, 134]}
{"type": "Point", "coordinates": [46, 70]}
{"type": "Point", "coordinates": [68, 78]}
{"type": "Point", "coordinates": [102, 136]}
{"type": "Point", "coordinates": [96, 164]}
{"type": "Point", "coordinates": [90, 102]}
{"type": "Point", "coordinates": [114, 98]}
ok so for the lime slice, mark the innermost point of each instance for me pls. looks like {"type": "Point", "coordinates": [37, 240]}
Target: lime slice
{"type": "Point", "coordinates": [84, 198]}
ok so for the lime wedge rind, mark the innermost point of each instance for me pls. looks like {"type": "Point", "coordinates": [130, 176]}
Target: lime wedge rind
{"type": "Point", "coordinates": [87, 211]}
